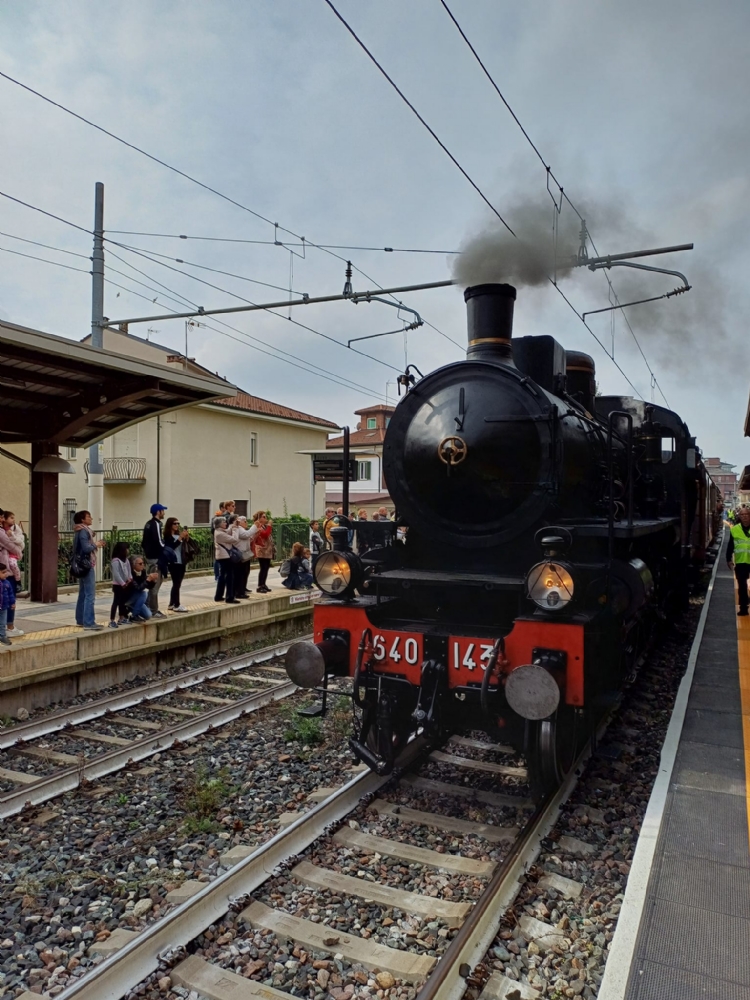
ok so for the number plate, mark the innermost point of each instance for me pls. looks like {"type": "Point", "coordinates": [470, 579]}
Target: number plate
{"type": "Point", "coordinates": [469, 654]}
{"type": "Point", "coordinates": [397, 650]}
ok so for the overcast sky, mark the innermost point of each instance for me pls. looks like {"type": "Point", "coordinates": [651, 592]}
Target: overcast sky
{"type": "Point", "coordinates": [641, 110]}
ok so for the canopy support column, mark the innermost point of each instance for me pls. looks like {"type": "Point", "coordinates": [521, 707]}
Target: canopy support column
{"type": "Point", "coordinates": [43, 530]}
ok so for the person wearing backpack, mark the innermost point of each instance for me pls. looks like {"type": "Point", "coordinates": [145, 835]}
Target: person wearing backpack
{"type": "Point", "coordinates": [83, 561]}
{"type": "Point", "coordinates": [227, 553]}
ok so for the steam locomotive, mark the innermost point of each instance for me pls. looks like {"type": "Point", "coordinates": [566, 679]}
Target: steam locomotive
{"type": "Point", "coordinates": [548, 527]}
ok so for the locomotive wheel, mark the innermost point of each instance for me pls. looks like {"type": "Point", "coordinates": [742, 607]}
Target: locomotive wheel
{"type": "Point", "coordinates": [552, 747]}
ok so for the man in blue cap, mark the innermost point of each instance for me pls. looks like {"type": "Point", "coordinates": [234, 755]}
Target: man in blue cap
{"type": "Point", "coordinates": [153, 545]}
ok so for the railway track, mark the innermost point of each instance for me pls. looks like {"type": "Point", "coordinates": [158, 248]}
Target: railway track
{"type": "Point", "coordinates": [132, 725]}
{"type": "Point", "coordinates": [247, 891]}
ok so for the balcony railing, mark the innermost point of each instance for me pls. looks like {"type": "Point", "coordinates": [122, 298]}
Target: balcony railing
{"type": "Point", "coordinates": [122, 470]}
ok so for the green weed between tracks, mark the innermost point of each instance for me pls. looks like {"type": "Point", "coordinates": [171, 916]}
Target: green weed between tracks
{"type": "Point", "coordinates": [205, 795]}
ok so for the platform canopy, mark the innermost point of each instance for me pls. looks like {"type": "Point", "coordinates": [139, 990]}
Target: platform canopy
{"type": "Point", "coordinates": [67, 393]}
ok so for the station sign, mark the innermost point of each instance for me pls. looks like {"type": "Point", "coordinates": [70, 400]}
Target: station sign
{"type": "Point", "coordinates": [332, 470]}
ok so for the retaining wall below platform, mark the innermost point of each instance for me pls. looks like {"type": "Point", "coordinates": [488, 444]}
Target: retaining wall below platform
{"type": "Point", "coordinates": [39, 674]}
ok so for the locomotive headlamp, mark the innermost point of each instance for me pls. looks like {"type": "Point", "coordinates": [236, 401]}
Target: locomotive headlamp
{"type": "Point", "coordinates": [337, 573]}
{"type": "Point", "coordinates": [550, 585]}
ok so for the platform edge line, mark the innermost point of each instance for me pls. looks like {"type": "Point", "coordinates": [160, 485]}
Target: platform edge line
{"type": "Point", "coordinates": [622, 950]}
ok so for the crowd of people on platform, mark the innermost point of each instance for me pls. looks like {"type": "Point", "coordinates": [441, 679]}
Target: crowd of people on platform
{"type": "Point", "coordinates": [167, 550]}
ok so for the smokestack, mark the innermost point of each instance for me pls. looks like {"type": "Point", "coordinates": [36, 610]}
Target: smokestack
{"type": "Point", "coordinates": [581, 378]}
{"type": "Point", "coordinates": [490, 322]}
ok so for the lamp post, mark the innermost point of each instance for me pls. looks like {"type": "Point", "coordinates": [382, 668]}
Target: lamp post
{"type": "Point", "coordinates": [96, 468]}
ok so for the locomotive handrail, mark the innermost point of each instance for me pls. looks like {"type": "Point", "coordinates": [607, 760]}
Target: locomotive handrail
{"type": "Point", "coordinates": [498, 648]}
{"type": "Point", "coordinates": [363, 644]}
{"type": "Point", "coordinates": [611, 476]}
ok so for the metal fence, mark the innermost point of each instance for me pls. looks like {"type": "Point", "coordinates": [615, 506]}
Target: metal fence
{"type": "Point", "coordinates": [285, 534]}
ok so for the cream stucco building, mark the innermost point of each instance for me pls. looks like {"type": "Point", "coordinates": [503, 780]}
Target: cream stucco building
{"type": "Point", "coordinates": [243, 449]}
{"type": "Point", "coordinates": [370, 490]}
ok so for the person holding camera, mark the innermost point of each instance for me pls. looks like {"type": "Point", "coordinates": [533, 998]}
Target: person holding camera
{"type": "Point", "coordinates": [225, 540]}
{"type": "Point", "coordinates": [142, 583]}
{"type": "Point", "coordinates": [264, 548]}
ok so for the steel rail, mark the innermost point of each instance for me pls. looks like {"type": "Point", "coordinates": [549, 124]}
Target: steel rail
{"type": "Point", "coordinates": [476, 934]}
{"type": "Point", "coordinates": [118, 975]}
{"type": "Point", "coordinates": [74, 716]}
{"type": "Point", "coordinates": [113, 760]}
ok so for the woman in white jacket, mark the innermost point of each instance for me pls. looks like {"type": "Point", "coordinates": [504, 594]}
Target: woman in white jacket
{"type": "Point", "coordinates": [245, 537]}
{"type": "Point", "coordinates": [225, 539]}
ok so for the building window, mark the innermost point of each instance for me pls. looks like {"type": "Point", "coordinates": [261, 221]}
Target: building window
{"type": "Point", "coordinates": [72, 453]}
{"type": "Point", "coordinates": [364, 470]}
{"type": "Point", "coordinates": [69, 509]}
{"type": "Point", "coordinates": [387, 421]}
{"type": "Point", "coordinates": [253, 449]}
{"type": "Point", "coordinates": [201, 511]}
{"type": "Point", "coordinates": [372, 423]}
{"type": "Point", "coordinates": [240, 508]}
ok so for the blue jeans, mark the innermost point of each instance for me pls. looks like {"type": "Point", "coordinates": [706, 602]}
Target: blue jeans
{"type": "Point", "coordinates": [138, 604]}
{"type": "Point", "coordinates": [226, 580]}
{"type": "Point", "coordinates": [3, 623]}
{"type": "Point", "coordinates": [85, 614]}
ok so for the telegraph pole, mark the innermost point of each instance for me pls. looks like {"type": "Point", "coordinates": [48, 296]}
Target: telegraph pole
{"type": "Point", "coordinates": [96, 469]}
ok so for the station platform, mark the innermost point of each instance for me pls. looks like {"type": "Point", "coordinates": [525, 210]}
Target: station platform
{"type": "Point", "coordinates": [55, 660]}
{"type": "Point", "coordinates": [41, 622]}
{"type": "Point", "coordinates": [684, 928]}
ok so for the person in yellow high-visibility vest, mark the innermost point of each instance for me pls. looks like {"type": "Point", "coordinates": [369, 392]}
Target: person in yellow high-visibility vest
{"type": "Point", "coordinates": [738, 556]}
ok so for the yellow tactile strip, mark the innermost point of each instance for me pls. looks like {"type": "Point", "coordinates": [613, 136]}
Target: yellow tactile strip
{"type": "Point", "coordinates": [743, 656]}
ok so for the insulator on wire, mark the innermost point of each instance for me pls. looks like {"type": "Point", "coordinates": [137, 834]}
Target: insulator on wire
{"type": "Point", "coordinates": [348, 290]}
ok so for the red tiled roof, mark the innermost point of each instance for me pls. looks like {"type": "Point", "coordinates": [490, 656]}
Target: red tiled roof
{"type": "Point", "coordinates": [371, 437]}
{"type": "Point", "coordinates": [254, 404]}
{"type": "Point", "coordinates": [377, 408]}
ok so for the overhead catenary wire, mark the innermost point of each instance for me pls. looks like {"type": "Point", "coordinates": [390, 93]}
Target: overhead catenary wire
{"type": "Point", "coordinates": [484, 198]}
{"type": "Point", "coordinates": [46, 246]}
{"type": "Point", "coordinates": [563, 193]}
{"type": "Point", "coordinates": [194, 277]}
{"type": "Point", "coordinates": [169, 166]}
{"type": "Point", "coordinates": [303, 326]}
{"type": "Point", "coordinates": [306, 366]}
{"type": "Point", "coordinates": [45, 260]}
{"type": "Point", "coordinates": [243, 278]}
{"type": "Point", "coordinates": [215, 270]}
{"type": "Point", "coordinates": [180, 299]}
{"type": "Point", "coordinates": [275, 243]}
{"type": "Point", "coordinates": [432, 132]}
{"type": "Point", "coordinates": [42, 211]}
{"type": "Point", "coordinates": [207, 187]}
